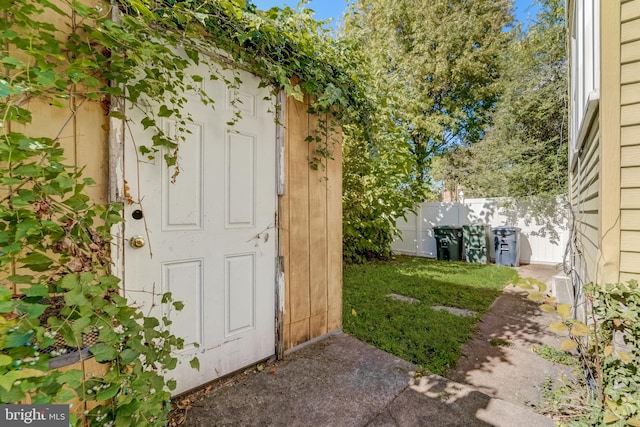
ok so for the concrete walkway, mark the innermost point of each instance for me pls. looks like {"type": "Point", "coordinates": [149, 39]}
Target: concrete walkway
{"type": "Point", "coordinates": [501, 359]}
{"type": "Point", "coordinates": [340, 381]}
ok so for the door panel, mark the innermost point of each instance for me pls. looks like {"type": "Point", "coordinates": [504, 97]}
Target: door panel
{"type": "Point", "coordinates": [209, 232]}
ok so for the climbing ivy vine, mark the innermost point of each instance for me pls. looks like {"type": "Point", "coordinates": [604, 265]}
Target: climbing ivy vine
{"type": "Point", "coordinates": [57, 290]}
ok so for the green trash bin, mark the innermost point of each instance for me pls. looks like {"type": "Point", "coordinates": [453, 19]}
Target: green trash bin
{"type": "Point", "coordinates": [448, 242]}
{"type": "Point", "coordinates": [477, 238]}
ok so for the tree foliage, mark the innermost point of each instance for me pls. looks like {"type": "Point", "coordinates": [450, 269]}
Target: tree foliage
{"type": "Point", "coordinates": [429, 68]}
{"type": "Point", "coordinates": [438, 61]}
{"type": "Point", "coordinates": [524, 152]}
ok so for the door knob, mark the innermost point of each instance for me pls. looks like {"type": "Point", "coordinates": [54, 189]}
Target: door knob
{"type": "Point", "coordinates": [137, 242]}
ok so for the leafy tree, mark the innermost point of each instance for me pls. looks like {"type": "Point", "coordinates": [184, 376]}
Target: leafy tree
{"type": "Point", "coordinates": [524, 153]}
{"type": "Point", "coordinates": [430, 68]}
{"type": "Point", "coordinates": [439, 59]}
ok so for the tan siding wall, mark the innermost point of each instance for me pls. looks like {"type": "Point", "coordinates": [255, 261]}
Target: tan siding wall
{"type": "Point", "coordinates": [311, 232]}
{"type": "Point", "coordinates": [630, 142]}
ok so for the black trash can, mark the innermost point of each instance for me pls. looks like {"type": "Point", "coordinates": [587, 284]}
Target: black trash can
{"type": "Point", "coordinates": [506, 242]}
{"type": "Point", "coordinates": [448, 242]}
{"type": "Point", "coordinates": [476, 239]}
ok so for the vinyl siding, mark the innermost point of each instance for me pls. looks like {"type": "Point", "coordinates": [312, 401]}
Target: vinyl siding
{"type": "Point", "coordinates": [630, 141]}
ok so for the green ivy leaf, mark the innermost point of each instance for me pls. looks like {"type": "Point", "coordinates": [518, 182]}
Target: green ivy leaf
{"type": "Point", "coordinates": [75, 297]}
{"type": "Point", "coordinates": [16, 339]}
{"type": "Point", "coordinates": [7, 379]}
{"type": "Point", "coordinates": [36, 291]}
{"type": "Point", "coordinates": [5, 360]}
{"type": "Point", "coordinates": [108, 393]}
{"type": "Point", "coordinates": [32, 311]}
{"type": "Point", "coordinates": [128, 355]}
{"type": "Point", "coordinates": [69, 281]}
{"type": "Point", "coordinates": [72, 378]}
{"type": "Point", "coordinates": [103, 353]}
{"type": "Point", "coordinates": [65, 395]}
{"type": "Point", "coordinates": [195, 363]}
{"type": "Point", "coordinates": [21, 279]}
{"type": "Point", "coordinates": [165, 111]}
{"type": "Point", "coordinates": [36, 261]}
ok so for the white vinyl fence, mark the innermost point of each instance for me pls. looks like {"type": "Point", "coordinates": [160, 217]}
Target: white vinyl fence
{"type": "Point", "coordinates": [544, 226]}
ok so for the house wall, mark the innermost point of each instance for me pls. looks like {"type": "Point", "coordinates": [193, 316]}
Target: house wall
{"type": "Point", "coordinates": [605, 143]}
{"type": "Point", "coordinates": [310, 230]}
{"type": "Point", "coordinates": [630, 140]}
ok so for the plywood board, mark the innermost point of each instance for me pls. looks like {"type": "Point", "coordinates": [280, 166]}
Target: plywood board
{"type": "Point", "coordinates": [298, 190]}
{"type": "Point", "coordinates": [91, 141]}
{"type": "Point", "coordinates": [318, 324]}
{"type": "Point", "coordinates": [334, 218]}
{"type": "Point", "coordinates": [299, 333]}
{"type": "Point", "coordinates": [318, 250]}
{"type": "Point", "coordinates": [335, 317]}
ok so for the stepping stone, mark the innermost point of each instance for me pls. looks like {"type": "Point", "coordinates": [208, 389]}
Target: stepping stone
{"type": "Point", "coordinates": [454, 310]}
{"type": "Point", "coordinates": [404, 298]}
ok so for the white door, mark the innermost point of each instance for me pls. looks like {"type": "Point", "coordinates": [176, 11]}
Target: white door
{"type": "Point", "coordinates": [210, 235]}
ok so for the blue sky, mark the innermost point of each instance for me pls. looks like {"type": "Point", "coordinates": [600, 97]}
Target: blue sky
{"type": "Point", "coordinates": [326, 9]}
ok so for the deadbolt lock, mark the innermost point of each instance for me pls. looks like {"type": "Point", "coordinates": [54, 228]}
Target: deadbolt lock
{"type": "Point", "coordinates": [137, 242]}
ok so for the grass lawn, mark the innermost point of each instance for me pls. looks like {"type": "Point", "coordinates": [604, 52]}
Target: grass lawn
{"type": "Point", "coordinates": [415, 332]}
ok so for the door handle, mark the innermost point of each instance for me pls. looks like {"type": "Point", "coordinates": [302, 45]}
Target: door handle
{"type": "Point", "coordinates": [137, 242]}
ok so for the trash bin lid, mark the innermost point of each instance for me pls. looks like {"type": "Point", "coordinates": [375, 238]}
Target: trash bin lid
{"type": "Point", "coordinates": [476, 227]}
{"type": "Point", "coordinates": [506, 230]}
{"type": "Point", "coordinates": [447, 227]}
